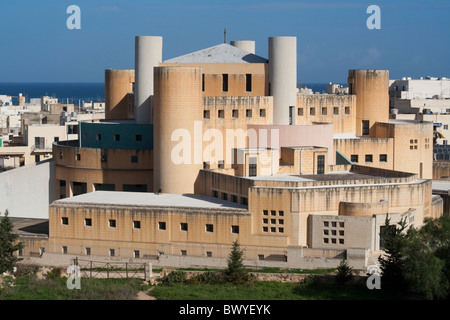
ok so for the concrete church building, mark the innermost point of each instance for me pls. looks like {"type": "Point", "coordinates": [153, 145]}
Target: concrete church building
{"type": "Point", "coordinates": [218, 145]}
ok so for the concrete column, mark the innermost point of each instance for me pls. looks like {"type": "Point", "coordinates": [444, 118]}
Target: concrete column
{"type": "Point", "coordinates": [178, 110]}
{"type": "Point", "coordinates": [283, 78]}
{"type": "Point", "coordinates": [148, 54]}
{"type": "Point", "coordinates": [246, 45]}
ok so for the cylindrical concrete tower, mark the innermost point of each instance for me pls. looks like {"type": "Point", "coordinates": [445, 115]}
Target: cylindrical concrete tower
{"type": "Point", "coordinates": [246, 45]}
{"type": "Point", "coordinates": [148, 54]}
{"type": "Point", "coordinates": [119, 101]}
{"type": "Point", "coordinates": [178, 116]}
{"type": "Point", "coordinates": [283, 78]}
{"type": "Point", "coordinates": [371, 88]}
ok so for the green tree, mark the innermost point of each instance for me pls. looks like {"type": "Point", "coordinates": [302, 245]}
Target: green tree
{"type": "Point", "coordinates": [344, 272]}
{"type": "Point", "coordinates": [422, 270]}
{"type": "Point", "coordinates": [235, 271]}
{"type": "Point", "coordinates": [391, 262]}
{"type": "Point", "coordinates": [8, 244]}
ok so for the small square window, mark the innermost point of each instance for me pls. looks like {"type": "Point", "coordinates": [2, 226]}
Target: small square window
{"type": "Point", "coordinates": [280, 221]}
{"type": "Point", "coordinates": [273, 221]}
{"type": "Point", "coordinates": [326, 224]}
{"type": "Point", "coordinates": [273, 229]}
{"type": "Point", "coordinates": [235, 114]}
{"type": "Point", "coordinates": [209, 228]}
{"type": "Point", "coordinates": [281, 213]}
{"type": "Point", "coordinates": [88, 222]}
{"type": "Point", "coordinates": [209, 254]}
{"type": "Point", "coordinates": [265, 220]}
{"type": "Point", "coordinates": [64, 249]}
{"type": "Point", "coordinates": [134, 159]}
{"type": "Point", "coordinates": [206, 114]}
{"type": "Point", "coordinates": [248, 113]}
{"type": "Point", "coordinates": [117, 137]}
{"type": "Point", "coordinates": [87, 251]}
{"type": "Point", "coordinates": [184, 226]}
{"type": "Point", "coordinates": [136, 254]}
{"type": "Point", "coordinates": [333, 240]}
{"type": "Point", "coordinates": [234, 229]}
{"type": "Point", "coordinates": [341, 224]}
{"type": "Point", "coordinates": [383, 157]}
{"type": "Point", "coordinates": [266, 212]}
{"type": "Point", "coordinates": [273, 213]}
{"type": "Point", "coordinates": [161, 225]}
{"type": "Point", "coordinates": [312, 111]}
{"type": "Point", "coordinates": [336, 111]}
{"type": "Point", "coordinates": [262, 113]}
{"type": "Point", "coordinates": [265, 229]}
{"type": "Point", "coordinates": [333, 224]}
{"type": "Point", "coordinates": [341, 233]}
{"type": "Point", "coordinates": [325, 232]}
{"type": "Point", "coordinates": [183, 252]}
{"type": "Point", "coordinates": [136, 224]}
{"type": "Point", "coordinates": [341, 241]}
{"type": "Point", "coordinates": [333, 232]}
{"type": "Point", "coordinates": [112, 223]}
{"type": "Point", "coordinates": [65, 221]}
{"type": "Point", "coordinates": [325, 240]}
{"type": "Point", "coordinates": [280, 229]}
{"type": "Point", "coordinates": [112, 252]}
{"type": "Point", "coordinates": [139, 137]}
{"type": "Point", "coordinates": [221, 114]}
{"type": "Point", "coordinates": [300, 112]}
{"type": "Point", "coordinates": [369, 158]}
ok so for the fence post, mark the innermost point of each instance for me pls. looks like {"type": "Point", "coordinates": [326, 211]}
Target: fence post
{"type": "Point", "coordinates": [91, 269]}
{"type": "Point", "coordinates": [126, 269]}
{"type": "Point", "coordinates": [147, 271]}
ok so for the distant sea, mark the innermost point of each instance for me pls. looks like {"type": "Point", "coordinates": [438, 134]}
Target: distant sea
{"type": "Point", "coordinates": [65, 92]}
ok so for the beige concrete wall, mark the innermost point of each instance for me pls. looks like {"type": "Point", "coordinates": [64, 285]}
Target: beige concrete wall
{"type": "Point", "coordinates": [236, 78]}
{"type": "Point", "coordinates": [340, 110]}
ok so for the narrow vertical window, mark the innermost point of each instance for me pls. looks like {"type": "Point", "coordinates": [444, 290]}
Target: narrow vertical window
{"type": "Point", "coordinates": [248, 82]}
{"type": "Point", "coordinates": [225, 82]}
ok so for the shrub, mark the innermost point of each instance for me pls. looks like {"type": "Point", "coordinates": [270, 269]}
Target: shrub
{"type": "Point", "coordinates": [177, 276]}
{"type": "Point", "coordinates": [344, 272]}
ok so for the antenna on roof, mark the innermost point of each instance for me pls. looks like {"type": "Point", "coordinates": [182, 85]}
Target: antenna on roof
{"type": "Point", "coordinates": [225, 36]}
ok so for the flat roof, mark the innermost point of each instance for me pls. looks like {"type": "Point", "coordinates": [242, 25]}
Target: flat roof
{"type": "Point", "coordinates": [330, 176]}
{"type": "Point", "coordinates": [147, 199]}
{"type": "Point", "coordinates": [441, 186]}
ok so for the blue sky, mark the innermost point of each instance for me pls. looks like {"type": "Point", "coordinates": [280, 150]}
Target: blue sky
{"type": "Point", "coordinates": [332, 37]}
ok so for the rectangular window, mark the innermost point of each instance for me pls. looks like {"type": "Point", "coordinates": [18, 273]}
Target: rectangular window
{"type": "Point", "coordinates": [336, 111]}
{"type": "Point", "coordinates": [65, 221]}
{"type": "Point", "coordinates": [134, 159]}
{"type": "Point", "coordinates": [262, 113]}
{"type": "Point", "coordinates": [220, 164]}
{"type": "Point", "coordinates": [300, 112]}
{"type": "Point", "coordinates": [117, 137]}
{"type": "Point", "coordinates": [98, 137]}
{"type": "Point", "coordinates": [266, 212]}
{"type": "Point", "coordinates": [203, 82]}
{"type": "Point", "coordinates": [248, 82]}
{"type": "Point", "coordinates": [312, 111]}
{"type": "Point", "coordinates": [369, 158]}
{"type": "Point", "coordinates": [383, 157]}
{"type": "Point", "coordinates": [324, 111]}
{"type": "Point", "coordinates": [209, 228]}
{"type": "Point", "coordinates": [88, 222]}
{"type": "Point", "coordinates": [291, 115]}
{"type": "Point", "coordinates": [252, 167]}
{"type": "Point", "coordinates": [64, 249]}
{"type": "Point", "coordinates": [225, 82]}
{"type": "Point", "coordinates": [72, 129]}
{"type": "Point", "coordinates": [56, 139]}
{"type": "Point", "coordinates": [136, 224]}
{"type": "Point", "coordinates": [161, 225]}
{"type": "Point", "coordinates": [206, 114]}
{"type": "Point", "coordinates": [235, 114]}
{"type": "Point", "coordinates": [39, 142]}
{"type": "Point", "coordinates": [87, 251]}
{"type": "Point", "coordinates": [354, 158]}
{"type": "Point", "coordinates": [183, 226]}
{"type": "Point", "coordinates": [248, 113]}
{"type": "Point", "coordinates": [78, 157]}
{"type": "Point", "coordinates": [365, 127]}
{"type": "Point", "coordinates": [209, 254]}
{"type": "Point", "coordinates": [234, 229]}
{"type": "Point", "coordinates": [139, 137]}
{"type": "Point", "coordinates": [347, 110]}
{"type": "Point", "coordinates": [183, 252]}
{"type": "Point", "coordinates": [136, 254]}
{"type": "Point", "coordinates": [221, 114]}
{"type": "Point", "coordinates": [112, 252]}
{"type": "Point", "coordinates": [112, 223]}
